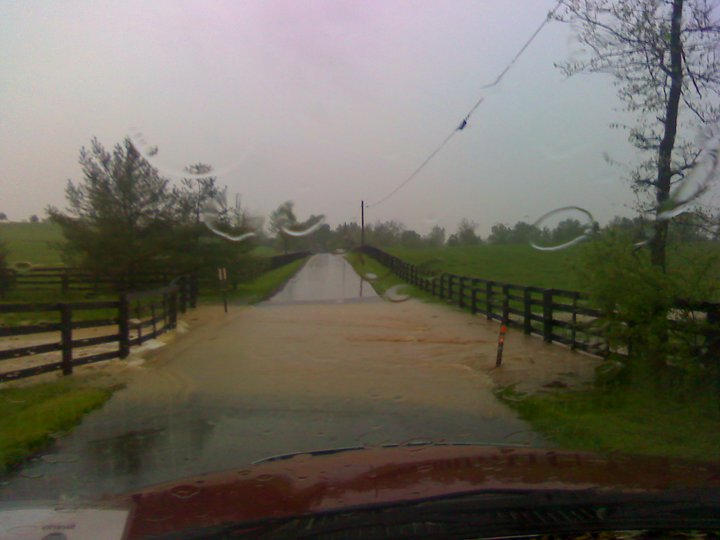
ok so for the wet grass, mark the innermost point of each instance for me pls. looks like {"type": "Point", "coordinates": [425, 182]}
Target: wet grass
{"type": "Point", "coordinates": [625, 420]}
{"type": "Point", "coordinates": [258, 289]}
{"type": "Point", "coordinates": [363, 265]}
{"type": "Point", "coordinates": [31, 416]}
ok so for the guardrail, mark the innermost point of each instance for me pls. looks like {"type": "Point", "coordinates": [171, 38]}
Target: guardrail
{"type": "Point", "coordinates": [133, 319]}
{"type": "Point", "coordinates": [556, 315]}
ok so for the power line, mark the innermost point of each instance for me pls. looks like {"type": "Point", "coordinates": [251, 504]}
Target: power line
{"type": "Point", "coordinates": [465, 120]}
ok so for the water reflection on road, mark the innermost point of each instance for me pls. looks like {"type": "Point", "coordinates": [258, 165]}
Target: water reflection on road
{"type": "Point", "coordinates": [325, 278]}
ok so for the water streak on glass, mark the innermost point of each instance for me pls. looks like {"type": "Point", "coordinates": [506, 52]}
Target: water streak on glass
{"type": "Point", "coordinates": [311, 229]}
{"type": "Point", "coordinates": [150, 153]}
{"type": "Point", "coordinates": [700, 178]}
{"type": "Point", "coordinates": [394, 295]}
{"type": "Point", "coordinates": [587, 227]}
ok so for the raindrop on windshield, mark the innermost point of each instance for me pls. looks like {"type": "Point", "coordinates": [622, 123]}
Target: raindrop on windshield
{"type": "Point", "coordinates": [303, 232]}
{"type": "Point", "coordinates": [184, 492]}
{"type": "Point", "coordinates": [577, 230]}
{"type": "Point", "coordinates": [394, 295]}
{"type": "Point", "coordinates": [216, 211]}
{"type": "Point", "coordinates": [698, 180]}
{"type": "Point", "coordinates": [151, 152]}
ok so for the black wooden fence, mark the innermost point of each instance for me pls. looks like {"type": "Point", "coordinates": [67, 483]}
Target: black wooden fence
{"type": "Point", "coordinates": [131, 320]}
{"type": "Point", "coordinates": [65, 280]}
{"type": "Point", "coordinates": [556, 315]}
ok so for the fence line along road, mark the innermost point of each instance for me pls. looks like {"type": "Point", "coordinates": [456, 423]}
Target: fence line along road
{"type": "Point", "coordinates": [136, 316]}
{"type": "Point", "coordinates": [556, 315]}
{"type": "Point", "coordinates": [66, 279]}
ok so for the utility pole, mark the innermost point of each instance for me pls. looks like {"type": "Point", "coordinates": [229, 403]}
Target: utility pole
{"type": "Point", "coordinates": [362, 223]}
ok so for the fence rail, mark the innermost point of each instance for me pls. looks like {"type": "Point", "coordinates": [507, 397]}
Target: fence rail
{"type": "Point", "coordinates": [65, 279]}
{"type": "Point", "coordinates": [133, 319]}
{"type": "Point", "coordinates": [556, 315]}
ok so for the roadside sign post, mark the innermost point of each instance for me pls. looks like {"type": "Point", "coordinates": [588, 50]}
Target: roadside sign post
{"type": "Point", "coordinates": [362, 223]}
{"type": "Point", "coordinates": [501, 344]}
{"type": "Point", "coordinates": [222, 277]}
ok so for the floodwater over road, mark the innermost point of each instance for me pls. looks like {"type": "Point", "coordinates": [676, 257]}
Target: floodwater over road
{"type": "Point", "coordinates": [325, 278]}
{"type": "Point", "coordinates": [280, 378]}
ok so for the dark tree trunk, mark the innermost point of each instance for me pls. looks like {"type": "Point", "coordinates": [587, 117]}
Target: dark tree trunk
{"type": "Point", "coordinates": [657, 246]}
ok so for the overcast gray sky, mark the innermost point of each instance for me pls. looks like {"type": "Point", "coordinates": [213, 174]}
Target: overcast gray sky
{"type": "Point", "coordinates": [324, 103]}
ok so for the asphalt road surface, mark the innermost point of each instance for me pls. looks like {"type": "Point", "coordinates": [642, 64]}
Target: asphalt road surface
{"type": "Point", "coordinates": [325, 278]}
{"type": "Point", "coordinates": [287, 376]}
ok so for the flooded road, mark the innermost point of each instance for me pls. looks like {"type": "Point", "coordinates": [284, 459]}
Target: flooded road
{"type": "Point", "coordinates": [325, 278]}
{"type": "Point", "coordinates": [280, 378]}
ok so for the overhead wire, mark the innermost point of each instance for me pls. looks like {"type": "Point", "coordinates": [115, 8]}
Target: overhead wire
{"type": "Point", "coordinates": [466, 118]}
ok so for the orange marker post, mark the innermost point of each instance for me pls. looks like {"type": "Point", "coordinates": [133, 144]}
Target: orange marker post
{"type": "Point", "coordinates": [501, 345]}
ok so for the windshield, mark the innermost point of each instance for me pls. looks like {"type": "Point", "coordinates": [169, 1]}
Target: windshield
{"type": "Point", "coordinates": [234, 231]}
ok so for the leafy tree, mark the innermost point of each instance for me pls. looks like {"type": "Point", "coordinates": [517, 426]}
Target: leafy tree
{"type": "Point", "coordinates": [436, 237]}
{"type": "Point", "coordinates": [119, 217]}
{"type": "Point", "coordinates": [384, 233]}
{"type": "Point", "coordinates": [500, 234]}
{"type": "Point", "coordinates": [3, 216]}
{"type": "Point", "coordinates": [347, 235]}
{"type": "Point", "coordinates": [283, 216]}
{"type": "Point", "coordinates": [663, 350]}
{"type": "Point", "coordinates": [411, 239]}
{"type": "Point", "coordinates": [663, 55]}
{"type": "Point", "coordinates": [524, 233]}
{"type": "Point", "coordinates": [465, 235]}
{"type": "Point", "coordinates": [567, 230]}
{"type": "Point", "coordinates": [34, 219]}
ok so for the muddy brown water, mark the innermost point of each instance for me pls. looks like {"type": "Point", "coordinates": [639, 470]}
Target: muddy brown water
{"type": "Point", "coordinates": [294, 376]}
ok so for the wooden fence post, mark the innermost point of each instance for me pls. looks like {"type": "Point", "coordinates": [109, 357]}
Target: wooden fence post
{"type": "Point", "coordinates": [64, 283]}
{"type": "Point", "coordinates": [154, 321]}
{"type": "Point", "coordinates": [193, 290]}
{"type": "Point", "coordinates": [66, 338]}
{"type": "Point", "coordinates": [573, 331]}
{"type": "Point", "coordinates": [473, 307]}
{"type": "Point", "coordinates": [527, 311]}
{"type": "Point", "coordinates": [461, 292]}
{"type": "Point", "coordinates": [173, 310]}
{"type": "Point", "coordinates": [183, 293]}
{"type": "Point", "coordinates": [713, 334]}
{"type": "Point", "coordinates": [451, 283]}
{"type": "Point", "coordinates": [506, 304]}
{"type": "Point", "coordinates": [442, 286]}
{"type": "Point", "coordinates": [432, 285]}
{"type": "Point", "coordinates": [124, 327]}
{"type": "Point", "coordinates": [488, 299]}
{"type": "Point", "coordinates": [547, 315]}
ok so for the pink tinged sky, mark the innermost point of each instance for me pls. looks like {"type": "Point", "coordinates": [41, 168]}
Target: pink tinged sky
{"type": "Point", "coordinates": [322, 103]}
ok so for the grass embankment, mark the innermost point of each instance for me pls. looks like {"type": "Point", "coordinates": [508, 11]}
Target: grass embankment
{"type": "Point", "coordinates": [363, 265]}
{"type": "Point", "coordinates": [625, 420]}
{"type": "Point", "coordinates": [30, 416]}
{"type": "Point", "coordinates": [256, 290]}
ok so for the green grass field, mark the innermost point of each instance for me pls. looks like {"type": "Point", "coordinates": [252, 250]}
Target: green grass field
{"type": "Point", "coordinates": [517, 263]}
{"type": "Point", "coordinates": [30, 416]}
{"type": "Point", "coordinates": [32, 242]}
{"type": "Point", "coordinates": [256, 290]}
{"type": "Point", "coordinates": [626, 420]}
{"type": "Point", "coordinates": [521, 264]}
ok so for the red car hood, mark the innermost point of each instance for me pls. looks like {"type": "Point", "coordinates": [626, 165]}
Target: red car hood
{"type": "Point", "coordinates": [306, 483]}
